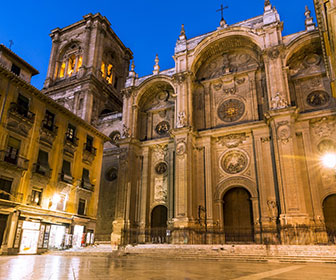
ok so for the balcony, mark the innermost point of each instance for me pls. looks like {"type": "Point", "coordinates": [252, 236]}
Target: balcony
{"type": "Point", "coordinates": [86, 185]}
{"type": "Point", "coordinates": [20, 119]}
{"type": "Point", "coordinates": [70, 145]}
{"type": "Point", "coordinates": [47, 134]}
{"type": "Point", "coordinates": [66, 178]}
{"type": "Point", "coordinates": [42, 170]}
{"type": "Point", "coordinates": [17, 163]}
{"type": "Point", "coordinates": [89, 153]}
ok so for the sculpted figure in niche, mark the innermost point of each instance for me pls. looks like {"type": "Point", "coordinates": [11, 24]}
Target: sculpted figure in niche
{"type": "Point", "coordinates": [273, 209]}
{"type": "Point", "coordinates": [278, 102]}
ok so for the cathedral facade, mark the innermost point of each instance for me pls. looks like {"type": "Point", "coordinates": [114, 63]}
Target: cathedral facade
{"type": "Point", "coordinates": [227, 146]}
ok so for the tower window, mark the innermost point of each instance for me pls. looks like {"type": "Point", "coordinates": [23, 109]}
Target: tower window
{"type": "Point", "coordinates": [62, 70]}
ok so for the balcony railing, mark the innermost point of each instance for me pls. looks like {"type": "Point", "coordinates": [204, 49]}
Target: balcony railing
{"type": "Point", "coordinates": [89, 153]}
{"type": "Point", "coordinates": [42, 170]}
{"type": "Point", "coordinates": [17, 162]}
{"type": "Point", "coordinates": [86, 185]}
{"type": "Point", "coordinates": [66, 178]}
{"type": "Point", "coordinates": [22, 112]}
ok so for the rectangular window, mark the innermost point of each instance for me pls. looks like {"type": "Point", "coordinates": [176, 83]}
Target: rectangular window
{"type": "Point", "coordinates": [5, 188]}
{"type": "Point", "coordinates": [23, 105]}
{"type": "Point", "coordinates": [42, 165]}
{"type": "Point", "coordinates": [81, 206]}
{"type": "Point", "coordinates": [48, 121]}
{"type": "Point", "coordinates": [71, 133]}
{"type": "Point", "coordinates": [66, 172]}
{"type": "Point", "coordinates": [16, 69]}
{"type": "Point", "coordinates": [12, 151]}
{"type": "Point", "coordinates": [36, 196]}
{"type": "Point", "coordinates": [86, 175]}
{"type": "Point", "coordinates": [89, 143]}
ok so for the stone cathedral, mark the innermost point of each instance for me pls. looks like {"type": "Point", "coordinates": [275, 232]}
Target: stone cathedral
{"type": "Point", "coordinates": [227, 146]}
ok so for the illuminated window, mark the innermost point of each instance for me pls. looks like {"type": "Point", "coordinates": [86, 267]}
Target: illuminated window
{"type": "Point", "coordinates": [62, 70]}
{"type": "Point", "coordinates": [70, 134]}
{"type": "Point", "coordinates": [36, 197]}
{"type": "Point", "coordinates": [109, 74]}
{"type": "Point", "coordinates": [102, 69]}
{"type": "Point", "coordinates": [79, 63]}
{"type": "Point", "coordinates": [71, 65]}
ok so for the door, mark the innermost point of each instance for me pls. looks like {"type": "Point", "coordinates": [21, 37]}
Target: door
{"type": "Point", "coordinates": [329, 211]}
{"type": "Point", "coordinates": [238, 216]}
{"type": "Point", "coordinates": [3, 222]}
{"type": "Point", "coordinates": [159, 224]}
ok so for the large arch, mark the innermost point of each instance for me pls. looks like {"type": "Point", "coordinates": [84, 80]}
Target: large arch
{"type": "Point", "coordinates": [155, 108]}
{"type": "Point", "coordinates": [219, 42]}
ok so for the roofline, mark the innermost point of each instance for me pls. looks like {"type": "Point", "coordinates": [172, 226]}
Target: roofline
{"type": "Point", "coordinates": [102, 18]}
{"type": "Point", "coordinates": [25, 63]}
{"type": "Point", "coordinates": [48, 100]}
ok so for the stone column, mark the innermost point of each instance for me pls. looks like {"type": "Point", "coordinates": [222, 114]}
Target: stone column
{"type": "Point", "coordinates": [144, 188]}
{"type": "Point", "coordinates": [208, 182]}
{"type": "Point", "coordinates": [293, 208]}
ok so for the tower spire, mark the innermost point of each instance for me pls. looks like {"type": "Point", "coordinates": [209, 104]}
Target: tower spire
{"type": "Point", "coordinates": [310, 25]}
{"type": "Point", "coordinates": [156, 66]}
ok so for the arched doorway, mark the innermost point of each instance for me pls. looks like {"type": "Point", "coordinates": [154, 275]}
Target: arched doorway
{"type": "Point", "coordinates": [329, 211]}
{"type": "Point", "coordinates": [238, 216]}
{"type": "Point", "coordinates": [159, 224]}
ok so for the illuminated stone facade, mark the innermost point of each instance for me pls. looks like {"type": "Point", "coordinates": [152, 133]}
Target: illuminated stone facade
{"type": "Point", "coordinates": [50, 165]}
{"type": "Point", "coordinates": [224, 147]}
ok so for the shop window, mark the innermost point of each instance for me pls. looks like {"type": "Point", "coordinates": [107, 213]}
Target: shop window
{"type": "Point", "coordinates": [12, 151]}
{"type": "Point", "coordinates": [71, 133]}
{"type": "Point", "coordinates": [66, 172]}
{"type": "Point", "coordinates": [16, 69]}
{"type": "Point", "coordinates": [5, 188]}
{"type": "Point", "coordinates": [42, 166]}
{"type": "Point", "coordinates": [81, 207]}
{"type": "Point", "coordinates": [23, 105]}
{"type": "Point", "coordinates": [36, 197]}
{"type": "Point", "coordinates": [48, 121]}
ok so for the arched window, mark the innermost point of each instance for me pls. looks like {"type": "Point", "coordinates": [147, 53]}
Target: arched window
{"type": "Point", "coordinates": [70, 61]}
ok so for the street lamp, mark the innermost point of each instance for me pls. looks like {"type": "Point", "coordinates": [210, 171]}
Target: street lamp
{"type": "Point", "coordinates": [329, 160]}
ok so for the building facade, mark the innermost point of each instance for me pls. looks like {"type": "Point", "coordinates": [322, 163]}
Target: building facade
{"type": "Point", "coordinates": [230, 145]}
{"type": "Point", "coordinates": [49, 169]}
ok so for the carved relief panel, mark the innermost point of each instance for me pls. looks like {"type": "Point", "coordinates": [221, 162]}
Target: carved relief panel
{"type": "Point", "coordinates": [307, 73]}
{"type": "Point", "coordinates": [228, 91]}
{"type": "Point", "coordinates": [156, 114]}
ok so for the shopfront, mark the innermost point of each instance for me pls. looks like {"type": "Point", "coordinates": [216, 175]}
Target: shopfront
{"type": "Point", "coordinates": [57, 237]}
{"type": "Point", "coordinates": [3, 223]}
{"type": "Point", "coordinates": [78, 235]}
{"type": "Point", "coordinates": [29, 236]}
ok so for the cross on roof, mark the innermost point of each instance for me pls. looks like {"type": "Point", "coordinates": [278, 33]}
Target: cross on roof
{"type": "Point", "coordinates": [221, 10]}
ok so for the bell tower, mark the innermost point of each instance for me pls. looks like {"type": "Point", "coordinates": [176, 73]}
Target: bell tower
{"type": "Point", "coordinates": [88, 67]}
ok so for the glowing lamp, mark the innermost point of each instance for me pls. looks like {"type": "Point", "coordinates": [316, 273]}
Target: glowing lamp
{"type": "Point", "coordinates": [329, 160]}
{"type": "Point", "coordinates": [56, 199]}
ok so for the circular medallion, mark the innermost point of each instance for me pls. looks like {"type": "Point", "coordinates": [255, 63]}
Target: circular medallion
{"type": "Point", "coordinates": [234, 162]}
{"type": "Point", "coordinates": [162, 128]}
{"type": "Point", "coordinates": [326, 146]}
{"type": "Point", "coordinates": [115, 136]}
{"type": "Point", "coordinates": [161, 168]}
{"type": "Point", "coordinates": [231, 110]}
{"type": "Point", "coordinates": [180, 148]}
{"type": "Point", "coordinates": [111, 174]}
{"type": "Point", "coordinates": [318, 98]}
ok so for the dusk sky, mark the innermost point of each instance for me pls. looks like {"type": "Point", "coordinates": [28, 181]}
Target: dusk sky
{"type": "Point", "coordinates": [147, 27]}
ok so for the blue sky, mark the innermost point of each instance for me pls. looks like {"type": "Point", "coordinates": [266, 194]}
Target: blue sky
{"type": "Point", "coordinates": [147, 27]}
